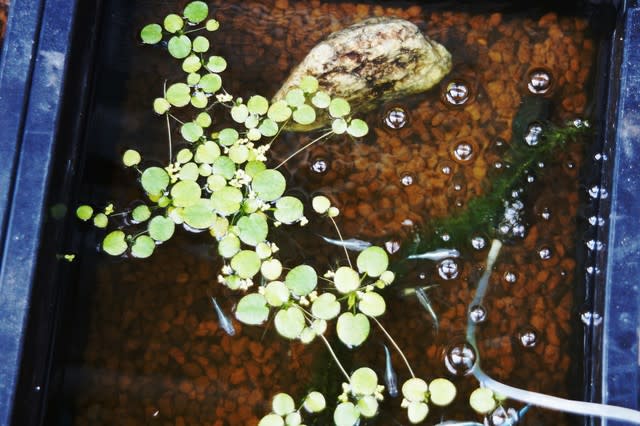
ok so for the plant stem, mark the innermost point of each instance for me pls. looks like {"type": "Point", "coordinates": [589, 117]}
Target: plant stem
{"type": "Point", "coordinates": [395, 345]}
{"type": "Point", "coordinates": [319, 138]}
{"type": "Point", "coordinates": [170, 142]}
{"type": "Point", "coordinates": [346, 253]}
{"type": "Point", "coordinates": [335, 357]}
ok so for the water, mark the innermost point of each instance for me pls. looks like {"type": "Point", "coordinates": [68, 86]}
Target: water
{"type": "Point", "coordinates": [149, 350]}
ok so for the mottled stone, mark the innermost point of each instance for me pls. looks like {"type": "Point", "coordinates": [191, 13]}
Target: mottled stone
{"type": "Point", "coordinates": [371, 62]}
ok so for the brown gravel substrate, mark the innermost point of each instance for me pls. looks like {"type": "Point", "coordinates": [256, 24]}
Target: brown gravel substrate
{"type": "Point", "coordinates": [155, 354]}
{"type": "Point", "coordinates": [4, 12]}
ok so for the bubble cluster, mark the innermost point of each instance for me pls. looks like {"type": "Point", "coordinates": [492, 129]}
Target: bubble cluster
{"type": "Point", "coordinates": [460, 358]}
{"type": "Point", "coordinates": [396, 117]}
{"type": "Point", "coordinates": [539, 81]}
{"type": "Point", "coordinates": [533, 135]}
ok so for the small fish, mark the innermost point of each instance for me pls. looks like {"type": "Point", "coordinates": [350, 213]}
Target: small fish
{"type": "Point", "coordinates": [426, 304]}
{"type": "Point", "coordinates": [352, 244]}
{"type": "Point", "coordinates": [390, 377]}
{"type": "Point", "coordinates": [436, 255]}
{"type": "Point", "coordinates": [225, 322]}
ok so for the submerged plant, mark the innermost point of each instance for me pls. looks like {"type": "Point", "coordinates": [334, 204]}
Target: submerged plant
{"type": "Point", "coordinates": [221, 183]}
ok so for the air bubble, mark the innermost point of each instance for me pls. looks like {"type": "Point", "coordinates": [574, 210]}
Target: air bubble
{"type": "Point", "coordinates": [596, 192]}
{"type": "Point", "coordinates": [446, 167]}
{"type": "Point", "coordinates": [396, 118]}
{"type": "Point", "coordinates": [392, 246]}
{"type": "Point", "coordinates": [457, 93]}
{"type": "Point", "coordinates": [460, 358]}
{"type": "Point", "coordinates": [595, 245]}
{"type": "Point", "coordinates": [533, 135]}
{"type": "Point", "coordinates": [448, 269]}
{"type": "Point", "coordinates": [539, 81]}
{"type": "Point", "coordinates": [319, 166]}
{"type": "Point", "coordinates": [463, 152]}
{"type": "Point", "coordinates": [445, 237]}
{"type": "Point", "coordinates": [596, 221]}
{"type": "Point", "coordinates": [545, 253]}
{"type": "Point", "coordinates": [406, 180]}
{"type": "Point", "coordinates": [590, 318]}
{"type": "Point", "coordinates": [528, 338]}
{"type": "Point", "coordinates": [477, 314]}
{"type": "Point", "coordinates": [510, 277]}
{"type": "Point", "coordinates": [478, 242]}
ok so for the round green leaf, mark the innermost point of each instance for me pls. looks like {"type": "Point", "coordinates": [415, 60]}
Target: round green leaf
{"type": "Point", "coordinates": [191, 132]}
{"type": "Point", "coordinates": [141, 213]}
{"type": "Point", "coordinates": [131, 158]}
{"type": "Point", "coordinates": [151, 34]}
{"type": "Point", "coordinates": [301, 280]}
{"type": "Point", "coordinates": [252, 121]}
{"type": "Point", "coordinates": [199, 100]}
{"type": "Point", "coordinates": [482, 400]}
{"type": "Point", "coordinates": [283, 404]}
{"type": "Point", "coordinates": [210, 83]}
{"type": "Point", "coordinates": [143, 247]}
{"type": "Point", "coordinates": [161, 106]}
{"type": "Point", "coordinates": [190, 65]}
{"type": "Point", "coordinates": [224, 166]}
{"type": "Point", "coordinates": [346, 279]}
{"type": "Point", "coordinates": [346, 414]}
{"type": "Point", "coordinates": [252, 309]}
{"type": "Point", "coordinates": [276, 293]}
{"type": "Point", "coordinates": [200, 44]}
{"type": "Point", "coordinates": [84, 212]}
{"type": "Point", "coordinates": [304, 115]}
{"type": "Point", "coordinates": [173, 23]}
{"type": "Point", "coordinates": [417, 412]}
{"type": "Point", "coordinates": [339, 108]}
{"type": "Point", "coordinates": [216, 182]}
{"type": "Point", "coordinates": [228, 136]}
{"type": "Point", "coordinates": [229, 246]}
{"type": "Point", "coordinates": [320, 204]}
{"type": "Point", "coordinates": [100, 220]}
{"type": "Point", "coordinates": [179, 46]}
{"type": "Point", "coordinates": [212, 25]}
{"type": "Point", "coordinates": [364, 381]}
{"type": "Point", "coordinates": [293, 419]}
{"type": "Point", "coordinates": [325, 307]}
{"type": "Point", "coordinates": [339, 126]}
{"type": "Point", "coordinates": [372, 304]}
{"type": "Point", "coordinates": [289, 322]}
{"type": "Point", "coordinates": [373, 261]}
{"type": "Point", "coordinates": [216, 64]}
{"type": "Point", "coordinates": [193, 78]}
{"type": "Point", "coordinates": [295, 97]}
{"type": "Point", "coordinates": [368, 406]}
{"type": "Point", "coordinates": [264, 250]}
{"type": "Point", "coordinates": [279, 111]}
{"type": "Point", "coordinates": [239, 113]}
{"type": "Point", "coordinates": [268, 128]}
{"type": "Point", "coordinates": [196, 11]}
{"type": "Point", "coordinates": [288, 209]}
{"type": "Point", "coordinates": [161, 228]}
{"type": "Point", "coordinates": [184, 156]}
{"type": "Point", "coordinates": [238, 153]}
{"type": "Point", "coordinates": [203, 120]}
{"type": "Point", "coordinates": [271, 420]}
{"type": "Point", "coordinates": [321, 100]}
{"type": "Point", "coordinates": [269, 184]}
{"type": "Point", "coordinates": [308, 84]}
{"type": "Point", "coordinates": [199, 215]}
{"type": "Point", "coordinates": [415, 389]}
{"type": "Point", "coordinates": [357, 128]}
{"type": "Point", "coordinates": [226, 201]}
{"type": "Point", "coordinates": [114, 243]}
{"type": "Point", "coordinates": [252, 168]}
{"type": "Point", "coordinates": [315, 402]}
{"type": "Point", "coordinates": [258, 105]}
{"type": "Point", "coordinates": [179, 94]}
{"type": "Point", "coordinates": [352, 329]}
{"type": "Point", "coordinates": [154, 180]}
{"type": "Point", "coordinates": [185, 193]}
{"type": "Point", "coordinates": [252, 229]}
{"type": "Point", "coordinates": [207, 153]}
{"type": "Point", "coordinates": [246, 263]}
{"type": "Point", "coordinates": [442, 391]}
{"type": "Point", "coordinates": [254, 135]}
